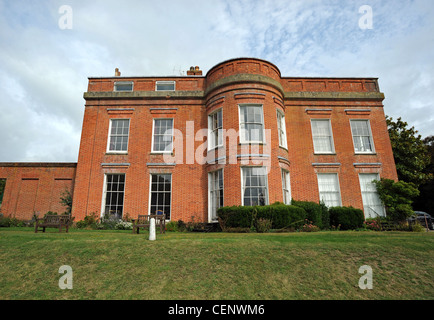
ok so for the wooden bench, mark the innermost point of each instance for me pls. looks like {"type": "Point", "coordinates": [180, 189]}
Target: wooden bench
{"type": "Point", "coordinates": [143, 221]}
{"type": "Point", "coordinates": [53, 221]}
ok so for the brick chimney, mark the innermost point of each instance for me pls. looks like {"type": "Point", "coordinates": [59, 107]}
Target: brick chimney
{"type": "Point", "coordinates": [194, 71]}
{"type": "Point", "coordinates": [117, 72]}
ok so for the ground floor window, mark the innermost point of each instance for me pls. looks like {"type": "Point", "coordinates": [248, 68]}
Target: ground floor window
{"type": "Point", "coordinates": [215, 187]}
{"type": "Point", "coordinates": [114, 195]}
{"type": "Point", "coordinates": [161, 191]}
{"type": "Point", "coordinates": [329, 193]}
{"type": "Point", "coordinates": [2, 190]}
{"type": "Point", "coordinates": [372, 205]}
{"type": "Point", "coordinates": [254, 186]}
{"type": "Point", "coordinates": [286, 187]}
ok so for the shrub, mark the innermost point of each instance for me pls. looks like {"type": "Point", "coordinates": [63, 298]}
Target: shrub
{"type": "Point", "coordinates": [124, 225]}
{"type": "Point", "coordinates": [325, 216]}
{"type": "Point", "coordinates": [373, 224]}
{"type": "Point", "coordinates": [313, 211]}
{"type": "Point", "coordinates": [309, 227]}
{"type": "Point", "coordinates": [262, 225]}
{"type": "Point", "coordinates": [88, 221]}
{"type": "Point", "coordinates": [172, 226]}
{"type": "Point", "coordinates": [235, 217]}
{"type": "Point", "coordinates": [397, 198]}
{"type": "Point", "coordinates": [280, 215]}
{"type": "Point", "coordinates": [10, 222]}
{"type": "Point", "coordinates": [346, 218]}
{"type": "Point", "coordinates": [181, 226]}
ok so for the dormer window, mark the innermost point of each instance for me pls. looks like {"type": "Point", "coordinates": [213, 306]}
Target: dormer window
{"type": "Point", "coordinates": [123, 86]}
{"type": "Point", "coordinates": [165, 86]}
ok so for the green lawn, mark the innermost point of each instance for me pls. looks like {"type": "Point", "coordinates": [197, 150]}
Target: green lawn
{"type": "Point", "coordinates": [120, 265]}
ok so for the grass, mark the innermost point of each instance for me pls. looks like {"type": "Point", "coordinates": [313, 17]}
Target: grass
{"type": "Point", "coordinates": [215, 266]}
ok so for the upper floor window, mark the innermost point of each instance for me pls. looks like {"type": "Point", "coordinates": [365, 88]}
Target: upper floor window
{"type": "Point", "coordinates": [118, 135]}
{"type": "Point", "coordinates": [281, 129]}
{"type": "Point", "coordinates": [165, 86]}
{"type": "Point", "coordinates": [322, 136]}
{"type": "Point", "coordinates": [251, 123]}
{"type": "Point", "coordinates": [124, 86]}
{"type": "Point", "coordinates": [215, 132]}
{"type": "Point", "coordinates": [362, 136]}
{"type": "Point", "coordinates": [162, 135]}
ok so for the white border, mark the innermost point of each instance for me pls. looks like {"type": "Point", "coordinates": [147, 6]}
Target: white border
{"type": "Point", "coordinates": [241, 135]}
{"type": "Point", "coordinates": [108, 137]}
{"type": "Point", "coordinates": [371, 136]}
{"type": "Point", "coordinates": [165, 82]}
{"type": "Point", "coordinates": [152, 141]}
{"type": "Point", "coordinates": [331, 134]}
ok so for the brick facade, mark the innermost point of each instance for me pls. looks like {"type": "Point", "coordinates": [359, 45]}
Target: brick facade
{"type": "Point", "coordinates": [226, 87]}
{"type": "Point", "coordinates": [35, 188]}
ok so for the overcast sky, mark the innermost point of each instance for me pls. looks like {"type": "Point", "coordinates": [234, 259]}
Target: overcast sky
{"type": "Point", "coordinates": [44, 65]}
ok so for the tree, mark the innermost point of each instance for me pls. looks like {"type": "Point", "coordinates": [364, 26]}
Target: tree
{"type": "Point", "coordinates": [425, 201]}
{"type": "Point", "coordinates": [2, 189]}
{"type": "Point", "coordinates": [66, 200]}
{"type": "Point", "coordinates": [409, 151]}
{"type": "Point", "coordinates": [397, 197]}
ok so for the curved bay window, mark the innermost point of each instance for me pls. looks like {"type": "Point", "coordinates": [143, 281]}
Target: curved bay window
{"type": "Point", "coordinates": [254, 185]}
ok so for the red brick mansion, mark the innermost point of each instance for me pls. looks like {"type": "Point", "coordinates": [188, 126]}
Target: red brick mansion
{"type": "Point", "coordinates": [242, 134]}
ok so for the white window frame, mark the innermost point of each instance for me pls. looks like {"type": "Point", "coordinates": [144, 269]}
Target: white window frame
{"type": "Point", "coordinates": [153, 133]}
{"type": "Point", "coordinates": [104, 193]}
{"type": "Point", "coordinates": [336, 192]}
{"type": "Point", "coordinates": [243, 187]}
{"type": "Point", "coordinates": [281, 129]}
{"type": "Point", "coordinates": [332, 144]}
{"type": "Point", "coordinates": [242, 131]}
{"type": "Point", "coordinates": [371, 137]}
{"type": "Point", "coordinates": [286, 186]}
{"type": "Point", "coordinates": [110, 136]}
{"type": "Point", "coordinates": [123, 83]}
{"type": "Point", "coordinates": [365, 210]}
{"type": "Point", "coordinates": [171, 193]}
{"type": "Point", "coordinates": [211, 176]}
{"type": "Point", "coordinates": [212, 144]}
{"type": "Point", "coordinates": [165, 83]}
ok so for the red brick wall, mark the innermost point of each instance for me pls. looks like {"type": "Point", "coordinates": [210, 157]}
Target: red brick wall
{"type": "Point", "coordinates": [35, 187]}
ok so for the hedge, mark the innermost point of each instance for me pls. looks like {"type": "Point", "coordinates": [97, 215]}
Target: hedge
{"type": "Point", "coordinates": [313, 210]}
{"type": "Point", "coordinates": [280, 215]}
{"type": "Point", "coordinates": [346, 218]}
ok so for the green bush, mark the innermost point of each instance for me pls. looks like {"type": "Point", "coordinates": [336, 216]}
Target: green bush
{"type": "Point", "coordinates": [172, 226]}
{"type": "Point", "coordinates": [346, 218]}
{"type": "Point", "coordinates": [263, 225]}
{"type": "Point", "coordinates": [280, 215]}
{"type": "Point", "coordinates": [325, 216]}
{"type": "Point", "coordinates": [235, 217]}
{"type": "Point", "coordinates": [313, 211]}
{"type": "Point", "coordinates": [10, 222]}
{"type": "Point", "coordinates": [397, 198]}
